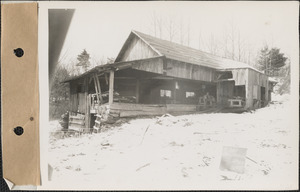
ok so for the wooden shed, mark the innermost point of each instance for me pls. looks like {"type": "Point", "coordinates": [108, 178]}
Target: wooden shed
{"type": "Point", "coordinates": [151, 76]}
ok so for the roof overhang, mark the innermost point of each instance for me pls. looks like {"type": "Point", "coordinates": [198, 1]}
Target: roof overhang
{"type": "Point", "coordinates": [108, 67]}
{"type": "Point", "coordinates": [230, 69]}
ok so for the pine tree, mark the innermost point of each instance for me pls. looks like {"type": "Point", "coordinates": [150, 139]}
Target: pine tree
{"type": "Point", "coordinates": [84, 60]}
{"type": "Point", "coordinates": [271, 60]}
{"type": "Point", "coordinates": [59, 93]}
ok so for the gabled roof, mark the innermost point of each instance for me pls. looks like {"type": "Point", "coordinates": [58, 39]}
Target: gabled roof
{"type": "Point", "coordinates": [183, 53]}
{"type": "Point", "coordinates": [172, 51]}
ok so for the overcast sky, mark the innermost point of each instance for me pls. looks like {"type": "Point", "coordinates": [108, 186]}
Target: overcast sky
{"type": "Point", "coordinates": [102, 27]}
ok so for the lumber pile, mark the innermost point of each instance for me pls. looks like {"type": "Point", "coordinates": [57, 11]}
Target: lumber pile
{"type": "Point", "coordinates": [134, 110]}
{"type": "Point", "coordinates": [77, 122]}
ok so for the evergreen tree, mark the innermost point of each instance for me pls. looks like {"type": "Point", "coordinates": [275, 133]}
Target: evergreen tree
{"type": "Point", "coordinates": [59, 93]}
{"type": "Point", "coordinates": [271, 60]}
{"type": "Point", "coordinates": [59, 90]}
{"type": "Point", "coordinates": [84, 60]}
{"type": "Point", "coordinates": [285, 74]}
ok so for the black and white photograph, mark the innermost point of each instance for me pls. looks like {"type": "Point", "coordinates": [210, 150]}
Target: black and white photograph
{"type": "Point", "coordinates": [169, 95]}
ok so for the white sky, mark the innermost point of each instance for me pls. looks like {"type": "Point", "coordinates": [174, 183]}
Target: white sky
{"type": "Point", "coordinates": [102, 27]}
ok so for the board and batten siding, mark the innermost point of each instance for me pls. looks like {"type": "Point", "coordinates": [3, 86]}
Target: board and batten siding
{"type": "Point", "coordinates": [137, 49]}
{"type": "Point", "coordinates": [77, 99]}
{"type": "Point", "coordinates": [184, 70]}
{"type": "Point", "coordinates": [77, 103]}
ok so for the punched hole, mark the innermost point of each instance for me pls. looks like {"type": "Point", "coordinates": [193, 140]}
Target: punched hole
{"type": "Point", "coordinates": [31, 118]}
{"type": "Point", "coordinates": [19, 130]}
{"type": "Point", "coordinates": [19, 52]}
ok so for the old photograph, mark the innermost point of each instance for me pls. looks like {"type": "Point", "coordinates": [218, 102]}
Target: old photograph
{"type": "Point", "coordinates": [172, 95]}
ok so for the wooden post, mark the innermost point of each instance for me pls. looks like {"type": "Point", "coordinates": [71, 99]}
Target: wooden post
{"type": "Point", "coordinates": [87, 104]}
{"type": "Point", "coordinates": [249, 91]}
{"type": "Point", "coordinates": [174, 101]}
{"type": "Point", "coordinates": [96, 89]}
{"type": "Point", "coordinates": [88, 111]}
{"type": "Point", "coordinates": [99, 88]}
{"type": "Point", "coordinates": [106, 79]}
{"type": "Point", "coordinates": [70, 97]}
{"type": "Point", "coordinates": [111, 87]}
{"type": "Point", "coordinates": [137, 91]}
{"type": "Point", "coordinates": [219, 93]}
{"type": "Point", "coordinates": [267, 91]}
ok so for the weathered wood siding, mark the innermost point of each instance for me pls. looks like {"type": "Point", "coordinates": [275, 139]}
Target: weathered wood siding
{"type": "Point", "coordinates": [256, 78]}
{"type": "Point", "coordinates": [78, 103]}
{"type": "Point", "coordinates": [188, 71]}
{"type": "Point", "coordinates": [154, 65]}
{"type": "Point", "coordinates": [255, 81]}
{"type": "Point", "coordinates": [240, 76]}
{"type": "Point", "coordinates": [73, 107]}
{"type": "Point", "coordinates": [136, 50]}
{"type": "Point", "coordinates": [77, 99]}
{"type": "Point", "coordinates": [81, 102]}
{"type": "Point", "coordinates": [130, 110]}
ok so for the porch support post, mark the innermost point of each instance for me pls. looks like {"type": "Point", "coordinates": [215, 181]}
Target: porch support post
{"type": "Point", "coordinates": [267, 92]}
{"type": "Point", "coordinates": [87, 103]}
{"type": "Point", "coordinates": [111, 87]}
{"type": "Point", "coordinates": [174, 91]}
{"type": "Point", "coordinates": [137, 91]}
{"type": "Point", "coordinates": [249, 91]}
{"type": "Point", "coordinates": [219, 94]}
{"type": "Point", "coordinates": [96, 89]}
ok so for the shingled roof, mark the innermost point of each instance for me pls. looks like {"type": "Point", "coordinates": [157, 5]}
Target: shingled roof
{"type": "Point", "coordinates": [183, 53]}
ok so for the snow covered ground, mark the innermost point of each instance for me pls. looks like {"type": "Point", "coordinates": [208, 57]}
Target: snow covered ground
{"type": "Point", "coordinates": [182, 152]}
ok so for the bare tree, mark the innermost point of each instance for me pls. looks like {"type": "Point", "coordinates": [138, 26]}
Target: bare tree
{"type": "Point", "coordinates": [160, 26]}
{"type": "Point", "coordinates": [234, 45]}
{"type": "Point", "coordinates": [156, 24]}
{"type": "Point", "coordinates": [201, 42]}
{"type": "Point", "coordinates": [213, 44]}
{"type": "Point", "coordinates": [224, 44]}
{"type": "Point", "coordinates": [171, 29]}
{"type": "Point", "coordinates": [232, 38]}
{"type": "Point", "coordinates": [188, 32]}
{"type": "Point", "coordinates": [240, 47]}
{"type": "Point", "coordinates": [181, 30]}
